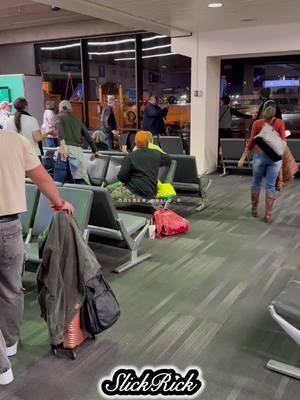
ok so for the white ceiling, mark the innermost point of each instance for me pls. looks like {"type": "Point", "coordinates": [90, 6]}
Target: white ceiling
{"type": "Point", "coordinates": [16, 14]}
{"type": "Point", "coordinates": [183, 16]}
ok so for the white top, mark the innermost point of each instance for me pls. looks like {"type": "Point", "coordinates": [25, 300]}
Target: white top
{"type": "Point", "coordinates": [49, 121]}
{"type": "Point", "coordinates": [29, 125]}
{"type": "Point", "coordinates": [16, 157]}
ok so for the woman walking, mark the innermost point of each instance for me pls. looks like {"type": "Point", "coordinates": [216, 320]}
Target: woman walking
{"type": "Point", "coordinates": [263, 165]}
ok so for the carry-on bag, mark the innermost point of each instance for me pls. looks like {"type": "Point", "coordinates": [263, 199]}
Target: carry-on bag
{"type": "Point", "coordinates": [168, 223]}
{"type": "Point", "coordinates": [73, 337]}
{"type": "Point", "coordinates": [100, 309]}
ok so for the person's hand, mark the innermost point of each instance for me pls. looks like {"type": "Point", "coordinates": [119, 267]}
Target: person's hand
{"type": "Point", "coordinates": [241, 162]}
{"type": "Point", "coordinates": [93, 157]}
{"type": "Point", "coordinates": [116, 134]}
{"type": "Point", "coordinates": [64, 152]}
{"type": "Point", "coordinates": [68, 207]}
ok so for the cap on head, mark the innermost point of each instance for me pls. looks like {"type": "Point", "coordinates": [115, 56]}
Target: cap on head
{"type": "Point", "coordinates": [5, 104]}
{"type": "Point", "coordinates": [111, 98]}
{"type": "Point", "coordinates": [142, 139]}
{"type": "Point", "coordinates": [65, 106]}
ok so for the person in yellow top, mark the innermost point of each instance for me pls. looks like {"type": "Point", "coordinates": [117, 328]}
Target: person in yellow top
{"type": "Point", "coordinates": [151, 145]}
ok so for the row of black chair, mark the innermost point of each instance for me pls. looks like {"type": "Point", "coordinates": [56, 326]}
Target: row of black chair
{"type": "Point", "coordinates": [232, 150]}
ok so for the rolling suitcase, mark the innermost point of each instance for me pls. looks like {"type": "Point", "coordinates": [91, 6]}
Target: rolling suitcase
{"type": "Point", "coordinates": [73, 337]}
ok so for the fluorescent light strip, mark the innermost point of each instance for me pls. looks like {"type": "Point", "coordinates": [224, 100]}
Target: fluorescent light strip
{"type": "Point", "coordinates": [152, 56]}
{"type": "Point", "coordinates": [66, 46]}
{"type": "Point", "coordinates": [154, 37]}
{"type": "Point", "coordinates": [111, 43]}
{"type": "Point", "coordinates": [157, 47]}
{"type": "Point", "coordinates": [105, 53]}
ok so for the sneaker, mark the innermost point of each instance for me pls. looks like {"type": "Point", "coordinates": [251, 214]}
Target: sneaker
{"type": "Point", "coordinates": [12, 350]}
{"type": "Point", "coordinates": [6, 377]}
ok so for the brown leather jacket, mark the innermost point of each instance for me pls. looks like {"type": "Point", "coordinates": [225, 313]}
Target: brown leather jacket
{"type": "Point", "coordinates": [288, 169]}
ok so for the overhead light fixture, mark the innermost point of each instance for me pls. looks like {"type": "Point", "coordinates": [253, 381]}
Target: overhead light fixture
{"type": "Point", "coordinates": [154, 38]}
{"type": "Point", "coordinates": [215, 5]}
{"type": "Point", "coordinates": [163, 46]}
{"type": "Point", "coordinates": [106, 53]}
{"type": "Point", "coordinates": [65, 46]}
{"type": "Point", "coordinates": [112, 42]}
{"type": "Point", "coordinates": [152, 56]}
{"type": "Point", "coordinates": [164, 66]}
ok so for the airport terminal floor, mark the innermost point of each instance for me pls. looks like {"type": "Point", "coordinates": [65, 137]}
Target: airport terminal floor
{"type": "Point", "coordinates": [202, 299]}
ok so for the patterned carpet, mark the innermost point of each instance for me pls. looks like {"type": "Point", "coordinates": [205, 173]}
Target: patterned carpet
{"type": "Point", "coordinates": [200, 300]}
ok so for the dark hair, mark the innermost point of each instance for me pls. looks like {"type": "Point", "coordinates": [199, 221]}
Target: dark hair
{"type": "Point", "coordinates": [20, 105]}
{"type": "Point", "coordinates": [226, 100]}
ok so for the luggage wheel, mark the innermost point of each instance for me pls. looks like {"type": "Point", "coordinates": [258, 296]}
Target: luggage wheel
{"type": "Point", "coordinates": [73, 354]}
{"type": "Point", "coordinates": [54, 350]}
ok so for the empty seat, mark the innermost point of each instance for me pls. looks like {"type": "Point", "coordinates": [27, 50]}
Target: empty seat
{"type": "Point", "coordinates": [171, 144]}
{"type": "Point", "coordinates": [188, 180]}
{"type": "Point", "coordinates": [166, 173]}
{"type": "Point", "coordinates": [294, 145]}
{"type": "Point", "coordinates": [82, 202]}
{"type": "Point", "coordinates": [232, 150]}
{"type": "Point", "coordinates": [97, 168]}
{"type": "Point", "coordinates": [285, 310]}
{"type": "Point", "coordinates": [105, 221]}
{"type": "Point", "coordinates": [113, 169]}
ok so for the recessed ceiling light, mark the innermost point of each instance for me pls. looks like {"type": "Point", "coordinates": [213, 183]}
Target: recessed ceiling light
{"type": "Point", "coordinates": [164, 66]}
{"type": "Point", "coordinates": [248, 19]}
{"type": "Point", "coordinates": [215, 5]}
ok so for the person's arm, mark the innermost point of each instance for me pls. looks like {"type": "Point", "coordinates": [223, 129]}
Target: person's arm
{"type": "Point", "coordinates": [87, 136]}
{"type": "Point", "coordinates": [38, 136]}
{"type": "Point", "coordinates": [165, 159]}
{"type": "Point", "coordinates": [47, 186]}
{"type": "Point", "coordinates": [238, 114]}
{"type": "Point", "coordinates": [124, 173]}
{"type": "Point", "coordinates": [153, 112]}
{"type": "Point", "coordinates": [249, 147]}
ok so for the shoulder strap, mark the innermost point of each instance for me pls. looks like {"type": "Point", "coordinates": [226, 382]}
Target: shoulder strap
{"type": "Point", "coordinates": [224, 112]}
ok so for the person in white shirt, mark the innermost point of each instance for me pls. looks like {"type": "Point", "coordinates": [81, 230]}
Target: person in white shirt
{"type": "Point", "coordinates": [25, 124]}
{"type": "Point", "coordinates": [5, 110]}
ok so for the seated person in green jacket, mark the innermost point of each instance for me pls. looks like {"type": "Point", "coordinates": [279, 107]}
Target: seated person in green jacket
{"type": "Point", "coordinates": [139, 173]}
{"type": "Point", "coordinates": [70, 166]}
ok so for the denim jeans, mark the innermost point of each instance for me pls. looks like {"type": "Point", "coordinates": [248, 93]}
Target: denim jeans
{"type": "Point", "coordinates": [52, 142]}
{"type": "Point", "coordinates": [263, 166]}
{"type": "Point", "coordinates": [109, 138]}
{"type": "Point", "coordinates": [11, 294]}
{"type": "Point", "coordinates": [62, 172]}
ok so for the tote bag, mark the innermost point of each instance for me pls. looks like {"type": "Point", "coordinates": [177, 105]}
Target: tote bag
{"type": "Point", "coordinates": [270, 142]}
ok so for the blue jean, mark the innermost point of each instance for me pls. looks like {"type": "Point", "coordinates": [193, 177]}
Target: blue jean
{"type": "Point", "coordinates": [109, 138]}
{"type": "Point", "coordinates": [63, 174]}
{"type": "Point", "coordinates": [52, 142]}
{"type": "Point", "coordinates": [264, 166]}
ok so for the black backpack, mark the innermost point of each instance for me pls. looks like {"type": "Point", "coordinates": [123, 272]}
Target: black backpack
{"type": "Point", "coordinates": [101, 308]}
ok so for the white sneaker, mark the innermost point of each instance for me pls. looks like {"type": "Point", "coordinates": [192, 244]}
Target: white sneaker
{"type": "Point", "coordinates": [6, 377]}
{"type": "Point", "coordinates": [12, 350]}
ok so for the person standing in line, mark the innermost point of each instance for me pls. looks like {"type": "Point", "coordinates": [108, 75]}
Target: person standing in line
{"type": "Point", "coordinates": [109, 124]}
{"type": "Point", "coordinates": [49, 124]}
{"type": "Point", "coordinates": [263, 165]}
{"type": "Point", "coordinates": [25, 124]}
{"type": "Point", "coordinates": [13, 202]}
{"type": "Point", "coordinates": [154, 115]}
{"type": "Point", "coordinates": [70, 164]}
{"type": "Point", "coordinates": [5, 111]}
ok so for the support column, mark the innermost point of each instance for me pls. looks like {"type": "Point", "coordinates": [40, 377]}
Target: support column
{"type": "Point", "coordinates": [84, 57]}
{"type": "Point", "coordinates": [205, 112]}
{"type": "Point", "coordinates": [138, 78]}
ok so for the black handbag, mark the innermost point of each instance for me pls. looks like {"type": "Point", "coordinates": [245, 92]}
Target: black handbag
{"type": "Point", "coordinates": [101, 308]}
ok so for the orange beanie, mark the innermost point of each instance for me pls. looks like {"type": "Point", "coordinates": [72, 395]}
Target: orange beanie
{"type": "Point", "coordinates": [142, 139]}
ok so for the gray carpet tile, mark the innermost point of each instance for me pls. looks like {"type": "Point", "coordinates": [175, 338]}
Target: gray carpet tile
{"type": "Point", "coordinates": [200, 300]}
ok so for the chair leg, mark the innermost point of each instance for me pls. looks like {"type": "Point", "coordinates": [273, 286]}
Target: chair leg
{"type": "Point", "coordinates": [284, 369]}
{"type": "Point", "coordinates": [134, 260]}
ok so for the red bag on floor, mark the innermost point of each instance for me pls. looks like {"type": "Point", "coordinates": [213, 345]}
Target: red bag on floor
{"type": "Point", "coordinates": [168, 223]}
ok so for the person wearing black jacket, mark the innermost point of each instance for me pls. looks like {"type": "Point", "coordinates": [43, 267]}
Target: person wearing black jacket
{"type": "Point", "coordinates": [139, 173]}
{"type": "Point", "coordinates": [154, 115]}
{"type": "Point", "coordinates": [109, 124]}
